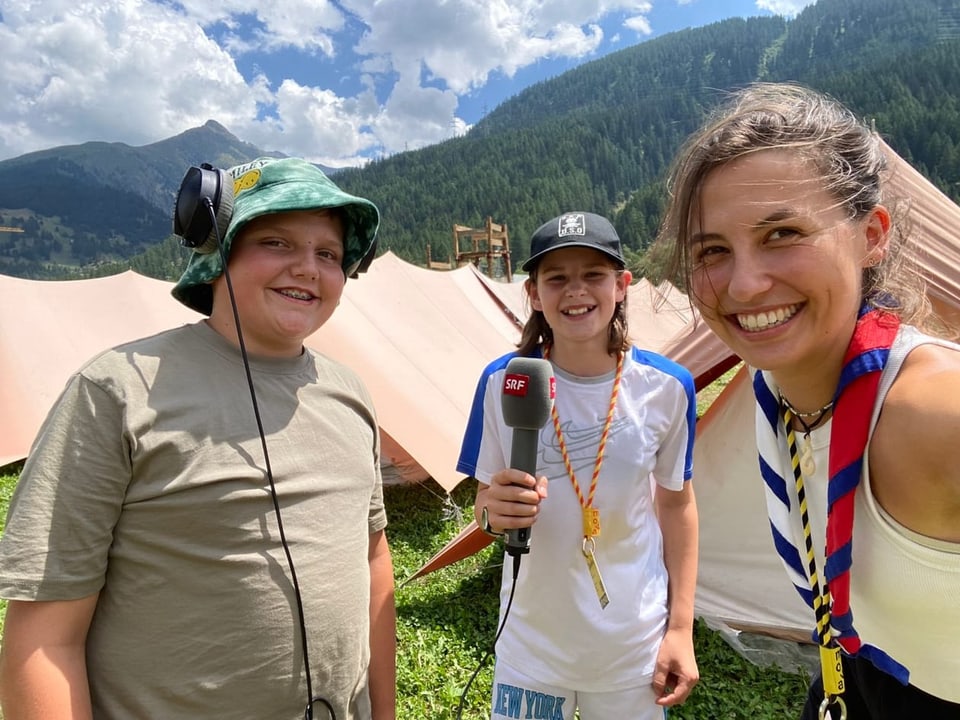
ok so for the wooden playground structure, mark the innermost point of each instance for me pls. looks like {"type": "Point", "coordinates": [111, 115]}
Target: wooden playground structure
{"type": "Point", "coordinates": [487, 248]}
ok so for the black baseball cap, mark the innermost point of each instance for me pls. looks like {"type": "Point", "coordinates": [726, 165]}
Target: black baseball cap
{"type": "Point", "coordinates": [575, 229]}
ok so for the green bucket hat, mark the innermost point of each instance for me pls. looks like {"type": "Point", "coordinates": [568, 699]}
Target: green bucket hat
{"type": "Point", "coordinates": [274, 185]}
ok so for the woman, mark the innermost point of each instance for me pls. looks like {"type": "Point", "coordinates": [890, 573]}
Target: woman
{"type": "Point", "coordinates": [780, 225]}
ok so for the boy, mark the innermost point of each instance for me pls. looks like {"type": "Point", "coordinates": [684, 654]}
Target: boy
{"type": "Point", "coordinates": [184, 545]}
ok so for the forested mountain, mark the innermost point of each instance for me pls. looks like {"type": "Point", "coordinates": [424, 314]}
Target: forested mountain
{"type": "Point", "coordinates": [601, 136]}
{"type": "Point", "coordinates": [597, 138]}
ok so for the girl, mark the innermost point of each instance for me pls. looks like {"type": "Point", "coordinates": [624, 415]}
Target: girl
{"type": "Point", "coordinates": [780, 225]}
{"type": "Point", "coordinates": [602, 616]}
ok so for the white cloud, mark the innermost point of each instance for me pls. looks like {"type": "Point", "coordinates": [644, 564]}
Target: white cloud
{"type": "Point", "coordinates": [639, 24]}
{"type": "Point", "coordinates": [308, 25]}
{"type": "Point", "coordinates": [120, 70]}
{"type": "Point", "coordinates": [463, 42]}
{"type": "Point", "coordinates": [315, 124]}
{"type": "Point", "coordinates": [333, 82]}
{"type": "Point", "coordinates": [787, 8]}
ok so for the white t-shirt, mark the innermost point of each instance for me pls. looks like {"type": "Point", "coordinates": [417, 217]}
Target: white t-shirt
{"type": "Point", "coordinates": [557, 631]}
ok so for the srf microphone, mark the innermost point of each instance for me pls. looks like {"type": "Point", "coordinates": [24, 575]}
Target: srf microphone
{"type": "Point", "coordinates": [528, 391]}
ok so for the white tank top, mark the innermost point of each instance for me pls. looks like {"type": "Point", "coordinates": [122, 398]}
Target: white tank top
{"type": "Point", "coordinates": [905, 587]}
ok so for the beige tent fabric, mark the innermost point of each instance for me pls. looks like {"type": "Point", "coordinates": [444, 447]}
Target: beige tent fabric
{"type": "Point", "coordinates": [936, 224]}
{"type": "Point", "coordinates": [48, 329]}
{"type": "Point", "coordinates": [418, 338]}
{"type": "Point", "coordinates": [396, 464]}
{"type": "Point", "coordinates": [656, 313]}
{"type": "Point", "coordinates": [510, 297]}
{"type": "Point", "coordinates": [740, 579]}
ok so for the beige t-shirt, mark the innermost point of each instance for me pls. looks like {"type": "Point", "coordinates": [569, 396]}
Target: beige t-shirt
{"type": "Point", "coordinates": [147, 483]}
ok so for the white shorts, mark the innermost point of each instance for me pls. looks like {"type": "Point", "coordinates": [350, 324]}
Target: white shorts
{"type": "Point", "coordinates": [518, 697]}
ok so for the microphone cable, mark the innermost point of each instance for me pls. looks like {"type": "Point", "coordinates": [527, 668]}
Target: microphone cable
{"type": "Point", "coordinates": [506, 613]}
{"type": "Point", "coordinates": [311, 700]}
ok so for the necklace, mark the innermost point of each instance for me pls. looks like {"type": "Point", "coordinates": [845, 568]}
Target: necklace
{"type": "Point", "coordinates": [817, 414]}
{"type": "Point", "coordinates": [807, 464]}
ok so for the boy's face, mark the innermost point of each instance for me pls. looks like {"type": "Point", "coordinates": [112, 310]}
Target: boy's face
{"type": "Point", "coordinates": [287, 276]}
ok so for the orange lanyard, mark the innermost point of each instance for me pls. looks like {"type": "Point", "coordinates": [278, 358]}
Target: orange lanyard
{"type": "Point", "coordinates": [591, 516]}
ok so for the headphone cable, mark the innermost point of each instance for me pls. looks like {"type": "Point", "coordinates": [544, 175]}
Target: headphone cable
{"type": "Point", "coordinates": [308, 712]}
{"type": "Point", "coordinates": [493, 646]}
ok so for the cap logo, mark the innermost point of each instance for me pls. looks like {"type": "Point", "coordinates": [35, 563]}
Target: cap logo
{"type": "Point", "coordinates": [572, 224]}
{"type": "Point", "coordinates": [245, 181]}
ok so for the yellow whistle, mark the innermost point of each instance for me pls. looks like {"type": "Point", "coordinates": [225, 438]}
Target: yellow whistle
{"type": "Point", "coordinates": [832, 669]}
{"type": "Point", "coordinates": [591, 522]}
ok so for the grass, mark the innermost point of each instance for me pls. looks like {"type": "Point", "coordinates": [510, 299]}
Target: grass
{"type": "Point", "coordinates": [446, 622]}
{"type": "Point", "coordinates": [708, 394]}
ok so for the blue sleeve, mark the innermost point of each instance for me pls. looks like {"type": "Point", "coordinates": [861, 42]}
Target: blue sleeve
{"type": "Point", "coordinates": [685, 378]}
{"type": "Point", "coordinates": [473, 435]}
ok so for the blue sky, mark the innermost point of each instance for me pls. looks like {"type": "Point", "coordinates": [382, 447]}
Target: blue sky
{"type": "Point", "coordinates": [337, 82]}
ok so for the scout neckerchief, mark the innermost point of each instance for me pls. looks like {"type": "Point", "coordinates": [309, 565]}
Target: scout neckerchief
{"type": "Point", "coordinates": [853, 406]}
{"type": "Point", "coordinates": [591, 515]}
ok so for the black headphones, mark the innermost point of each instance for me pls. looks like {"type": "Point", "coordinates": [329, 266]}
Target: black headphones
{"type": "Point", "coordinates": [202, 189]}
{"type": "Point", "coordinates": [205, 189]}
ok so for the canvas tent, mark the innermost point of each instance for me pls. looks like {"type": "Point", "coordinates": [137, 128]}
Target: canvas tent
{"type": "Point", "coordinates": [420, 338]}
